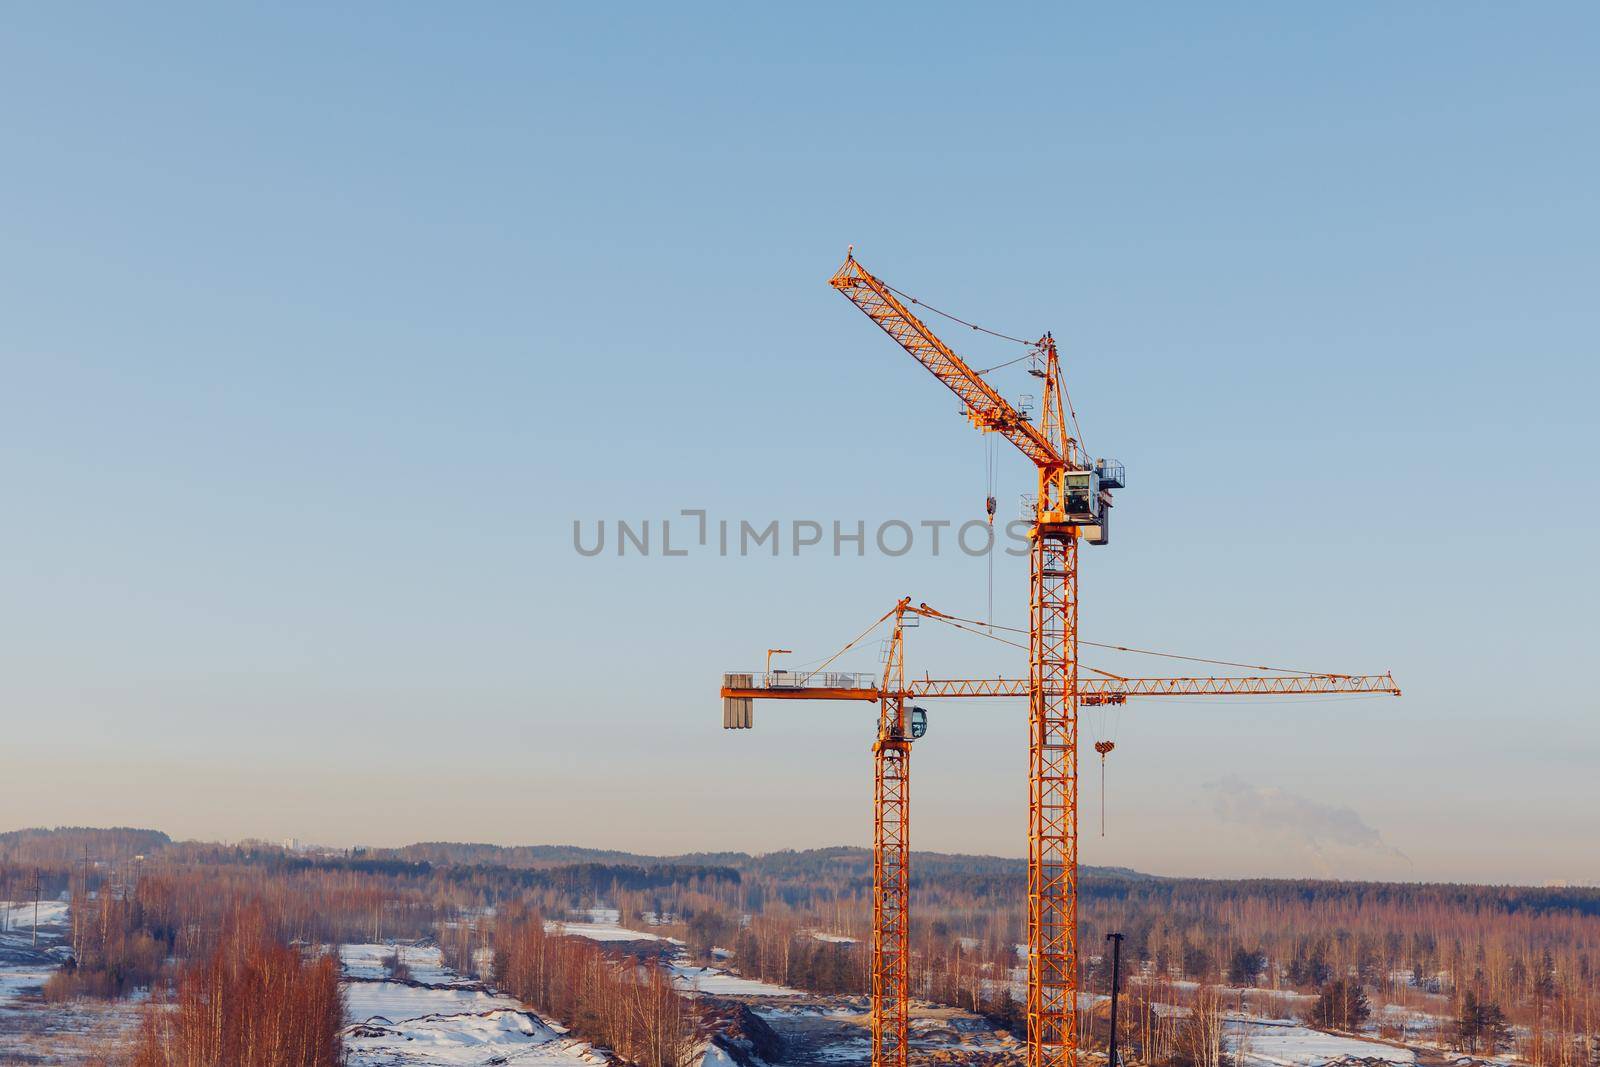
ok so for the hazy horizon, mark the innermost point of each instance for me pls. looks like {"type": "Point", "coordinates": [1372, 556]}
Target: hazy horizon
{"type": "Point", "coordinates": [313, 847]}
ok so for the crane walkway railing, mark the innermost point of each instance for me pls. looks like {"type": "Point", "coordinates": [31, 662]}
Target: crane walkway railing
{"type": "Point", "coordinates": [788, 680]}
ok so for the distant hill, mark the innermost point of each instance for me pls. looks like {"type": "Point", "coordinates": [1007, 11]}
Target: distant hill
{"type": "Point", "coordinates": [66, 844]}
{"type": "Point", "coordinates": [799, 872]}
{"type": "Point", "coordinates": [786, 863]}
{"type": "Point", "coordinates": [1002, 878]}
{"type": "Point", "coordinates": [447, 852]}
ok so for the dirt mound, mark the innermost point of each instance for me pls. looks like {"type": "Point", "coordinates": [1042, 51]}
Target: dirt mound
{"type": "Point", "coordinates": [745, 1036]}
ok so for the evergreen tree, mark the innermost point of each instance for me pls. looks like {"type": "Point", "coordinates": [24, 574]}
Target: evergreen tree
{"type": "Point", "coordinates": [1544, 986]}
{"type": "Point", "coordinates": [1342, 1005]}
{"type": "Point", "coordinates": [1496, 1033]}
{"type": "Point", "coordinates": [1481, 1025]}
{"type": "Point", "coordinates": [1245, 967]}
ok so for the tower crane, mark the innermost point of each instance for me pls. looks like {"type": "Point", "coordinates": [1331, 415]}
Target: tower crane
{"type": "Point", "coordinates": [1072, 504]}
{"type": "Point", "coordinates": [900, 722]}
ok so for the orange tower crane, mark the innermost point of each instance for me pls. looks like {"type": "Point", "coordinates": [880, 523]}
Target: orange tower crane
{"type": "Point", "coordinates": [1073, 503]}
{"type": "Point", "coordinates": [900, 723]}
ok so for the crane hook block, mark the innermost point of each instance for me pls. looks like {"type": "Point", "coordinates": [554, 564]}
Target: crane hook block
{"type": "Point", "coordinates": [1103, 747]}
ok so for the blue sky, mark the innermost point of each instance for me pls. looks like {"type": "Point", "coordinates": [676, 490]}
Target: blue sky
{"type": "Point", "coordinates": [323, 327]}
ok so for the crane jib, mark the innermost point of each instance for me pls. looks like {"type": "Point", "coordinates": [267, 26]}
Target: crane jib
{"type": "Point", "coordinates": [987, 409]}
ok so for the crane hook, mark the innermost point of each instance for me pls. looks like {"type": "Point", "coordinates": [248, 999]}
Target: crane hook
{"type": "Point", "coordinates": [1103, 747]}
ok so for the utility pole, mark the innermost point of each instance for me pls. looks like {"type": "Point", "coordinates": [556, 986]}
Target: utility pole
{"type": "Point", "coordinates": [36, 907]}
{"type": "Point", "coordinates": [80, 925]}
{"type": "Point", "coordinates": [1112, 1060]}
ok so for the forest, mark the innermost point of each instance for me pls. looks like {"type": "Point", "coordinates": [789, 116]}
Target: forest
{"type": "Point", "coordinates": [1480, 969]}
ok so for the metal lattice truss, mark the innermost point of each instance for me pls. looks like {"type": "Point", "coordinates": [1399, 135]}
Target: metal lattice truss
{"type": "Point", "coordinates": [1053, 802]}
{"type": "Point", "coordinates": [891, 886]}
{"type": "Point", "coordinates": [986, 408]}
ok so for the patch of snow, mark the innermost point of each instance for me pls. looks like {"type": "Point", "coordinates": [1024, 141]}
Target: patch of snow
{"type": "Point", "coordinates": [26, 965]}
{"type": "Point", "coordinates": [772, 1012]}
{"type": "Point", "coordinates": [1412, 1018]}
{"type": "Point", "coordinates": [393, 1002]}
{"type": "Point", "coordinates": [493, 1037]}
{"type": "Point", "coordinates": [18, 915]}
{"type": "Point", "coordinates": [425, 962]}
{"type": "Point", "coordinates": [604, 931]}
{"type": "Point", "coordinates": [1271, 1044]}
{"type": "Point", "coordinates": [716, 1056]}
{"type": "Point", "coordinates": [721, 983]}
{"type": "Point", "coordinates": [17, 979]}
{"type": "Point", "coordinates": [833, 939]}
{"type": "Point", "coordinates": [450, 1022]}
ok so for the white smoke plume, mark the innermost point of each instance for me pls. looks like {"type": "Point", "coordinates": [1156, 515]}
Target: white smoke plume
{"type": "Point", "coordinates": [1324, 830]}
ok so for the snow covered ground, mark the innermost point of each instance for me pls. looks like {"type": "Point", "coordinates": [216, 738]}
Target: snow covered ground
{"type": "Point", "coordinates": [495, 1037]}
{"type": "Point", "coordinates": [424, 962]}
{"type": "Point", "coordinates": [720, 983]}
{"type": "Point", "coordinates": [394, 1002]}
{"type": "Point", "coordinates": [18, 915]}
{"type": "Point", "coordinates": [605, 930]}
{"type": "Point", "coordinates": [715, 1057]}
{"type": "Point", "coordinates": [1278, 1043]}
{"type": "Point", "coordinates": [33, 1030]}
{"type": "Point", "coordinates": [1418, 1024]}
{"type": "Point", "coordinates": [441, 1019]}
{"type": "Point", "coordinates": [24, 965]}
{"type": "Point", "coordinates": [832, 939]}
{"type": "Point", "coordinates": [17, 979]}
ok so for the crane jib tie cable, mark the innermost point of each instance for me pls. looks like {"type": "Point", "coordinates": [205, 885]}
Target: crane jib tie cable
{"type": "Point", "coordinates": [1137, 651]}
{"type": "Point", "coordinates": [953, 318]}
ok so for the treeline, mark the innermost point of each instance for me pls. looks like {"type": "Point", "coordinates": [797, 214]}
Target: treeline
{"type": "Point", "coordinates": [231, 978]}
{"type": "Point", "coordinates": [594, 878]}
{"type": "Point", "coordinates": [625, 1004]}
{"type": "Point", "coordinates": [123, 933]}
{"type": "Point", "coordinates": [118, 946]}
{"type": "Point", "coordinates": [581, 880]}
{"type": "Point", "coordinates": [442, 853]}
{"type": "Point", "coordinates": [1478, 899]}
{"type": "Point", "coordinates": [251, 1001]}
{"type": "Point", "coordinates": [63, 846]}
{"type": "Point", "coordinates": [776, 949]}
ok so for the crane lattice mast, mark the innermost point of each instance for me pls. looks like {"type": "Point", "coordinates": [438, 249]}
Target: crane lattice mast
{"type": "Point", "coordinates": [1072, 495]}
